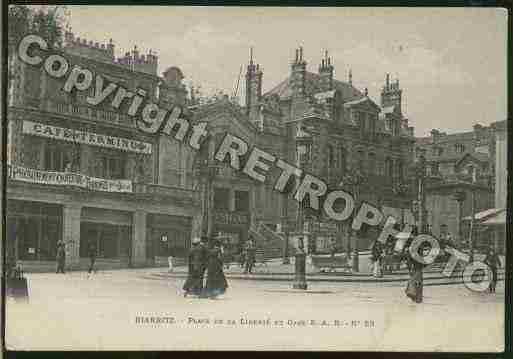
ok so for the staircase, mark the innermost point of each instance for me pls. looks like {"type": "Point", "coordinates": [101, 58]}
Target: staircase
{"type": "Point", "coordinates": [268, 241]}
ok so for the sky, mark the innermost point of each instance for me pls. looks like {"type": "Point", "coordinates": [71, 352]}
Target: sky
{"type": "Point", "coordinates": [451, 62]}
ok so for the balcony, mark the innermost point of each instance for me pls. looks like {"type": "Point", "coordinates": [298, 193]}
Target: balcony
{"type": "Point", "coordinates": [162, 192]}
{"type": "Point", "coordinates": [88, 113]}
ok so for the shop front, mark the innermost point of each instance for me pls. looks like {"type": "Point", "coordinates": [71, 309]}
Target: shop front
{"type": "Point", "coordinates": [35, 228]}
{"type": "Point", "coordinates": [108, 231]}
{"type": "Point", "coordinates": [167, 236]}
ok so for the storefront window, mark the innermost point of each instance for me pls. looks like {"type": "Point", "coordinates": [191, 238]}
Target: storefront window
{"type": "Point", "coordinates": [222, 199]}
{"type": "Point", "coordinates": [112, 167]}
{"type": "Point", "coordinates": [33, 229]}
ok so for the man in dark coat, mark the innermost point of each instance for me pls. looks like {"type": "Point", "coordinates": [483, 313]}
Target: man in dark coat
{"type": "Point", "coordinates": [194, 282]}
{"type": "Point", "coordinates": [492, 260]}
{"type": "Point", "coordinates": [61, 257]}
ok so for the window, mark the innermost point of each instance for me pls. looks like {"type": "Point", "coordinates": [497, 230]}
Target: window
{"type": "Point", "coordinates": [57, 158]}
{"type": "Point", "coordinates": [112, 167]}
{"type": "Point", "coordinates": [343, 158]}
{"type": "Point", "coordinates": [303, 154]}
{"type": "Point", "coordinates": [388, 167]}
{"type": "Point", "coordinates": [372, 163]}
{"type": "Point", "coordinates": [435, 168]}
{"type": "Point", "coordinates": [361, 160]}
{"type": "Point", "coordinates": [399, 173]}
{"type": "Point", "coordinates": [242, 201]}
{"type": "Point", "coordinates": [222, 199]}
{"type": "Point", "coordinates": [459, 148]}
{"type": "Point", "coordinates": [331, 156]}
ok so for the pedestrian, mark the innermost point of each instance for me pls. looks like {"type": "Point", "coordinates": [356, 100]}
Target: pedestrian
{"type": "Point", "coordinates": [493, 262]}
{"type": "Point", "coordinates": [92, 257]}
{"type": "Point", "coordinates": [216, 281]}
{"type": "Point", "coordinates": [414, 288]}
{"type": "Point", "coordinates": [61, 257]}
{"type": "Point", "coordinates": [376, 257]}
{"type": "Point", "coordinates": [250, 256]}
{"type": "Point", "coordinates": [194, 282]}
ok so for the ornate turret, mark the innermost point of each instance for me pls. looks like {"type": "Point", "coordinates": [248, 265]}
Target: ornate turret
{"type": "Point", "coordinates": [253, 88]}
{"type": "Point", "coordinates": [298, 74]}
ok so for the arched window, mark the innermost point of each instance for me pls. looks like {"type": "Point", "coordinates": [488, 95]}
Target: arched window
{"type": "Point", "coordinates": [360, 157]}
{"type": "Point", "coordinates": [343, 159]}
{"type": "Point", "coordinates": [388, 167]}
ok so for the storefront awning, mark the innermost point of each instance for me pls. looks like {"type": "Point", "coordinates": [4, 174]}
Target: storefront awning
{"type": "Point", "coordinates": [497, 220]}
{"type": "Point", "coordinates": [484, 215]}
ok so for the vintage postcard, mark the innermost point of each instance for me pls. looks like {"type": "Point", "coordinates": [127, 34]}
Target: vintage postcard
{"type": "Point", "coordinates": [251, 178]}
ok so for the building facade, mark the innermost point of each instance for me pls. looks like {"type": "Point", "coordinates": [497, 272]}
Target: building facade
{"type": "Point", "coordinates": [84, 174]}
{"type": "Point", "coordinates": [460, 167]}
{"type": "Point", "coordinates": [330, 129]}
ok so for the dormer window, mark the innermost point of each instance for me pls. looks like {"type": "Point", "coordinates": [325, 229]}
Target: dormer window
{"type": "Point", "coordinates": [459, 148]}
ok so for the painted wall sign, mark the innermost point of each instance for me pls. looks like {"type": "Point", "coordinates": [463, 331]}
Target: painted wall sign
{"type": "Point", "coordinates": [87, 138]}
{"type": "Point", "coordinates": [230, 218]}
{"type": "Point", "coordinates": [31, 175]}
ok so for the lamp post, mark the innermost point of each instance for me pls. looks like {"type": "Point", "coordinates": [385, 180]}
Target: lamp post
{"type": "Point", "coordinates": [206, 171]}
{"type": "Point", "coordinates": [420, 174]}
{"type": "Point", "coordinates": [285, 230]}
{"type": "Point", "coordinates": [473, 210]}
{"type": "Point", "coordinates": [400, 190]}
{"type": "Point", "coordinates": [354, 179]}
{"type": "Point", "coordinates": [460, 197]}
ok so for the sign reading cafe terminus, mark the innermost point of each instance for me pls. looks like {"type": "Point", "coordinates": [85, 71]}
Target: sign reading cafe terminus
{"type": "Point", "coordinates": [151, 118]}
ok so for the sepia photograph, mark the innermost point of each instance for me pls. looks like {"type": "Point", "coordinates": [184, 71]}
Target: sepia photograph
{"type": "Point", "coordinates": [255, 178]}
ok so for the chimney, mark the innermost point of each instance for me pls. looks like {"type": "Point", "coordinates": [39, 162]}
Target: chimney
{"type": "Point", "coordinates": [326, 73]}
{"type": "Point", "coordinates": [298, 73]}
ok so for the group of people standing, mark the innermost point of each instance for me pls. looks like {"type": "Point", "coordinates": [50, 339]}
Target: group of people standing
{"type": "Point", "coordinates": [61, 257]}
{"type": "Point", "coordinates": [205, 256]}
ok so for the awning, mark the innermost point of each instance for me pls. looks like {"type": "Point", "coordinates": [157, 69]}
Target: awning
{"type": "Point", "coordinates": [483, 215]}
{"type": "Point", "coordinates": [497, 220]}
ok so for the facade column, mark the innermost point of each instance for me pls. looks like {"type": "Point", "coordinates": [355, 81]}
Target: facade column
{"type": "Point", "coordinates": [71, 232]}
{"type": "Point", "coordinates": [139, 238]}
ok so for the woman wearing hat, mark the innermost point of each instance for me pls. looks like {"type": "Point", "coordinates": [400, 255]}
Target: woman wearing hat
{"type": "Point", "coordinates": [216, 281]}
{"type": "Point", "coordinates": [194, 283]}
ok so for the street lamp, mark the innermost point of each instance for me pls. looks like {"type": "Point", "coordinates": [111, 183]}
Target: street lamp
{"type": "Point", "coordinates": [401, 190]}
{"type": "Point", "coordinates": [354, 179]}
{"type": "Point", "coordinates": [420, 175]}
{"type": "Point", "coordinates": [206, 171]}
{"type": "Point", "coordinates": [473, 170]}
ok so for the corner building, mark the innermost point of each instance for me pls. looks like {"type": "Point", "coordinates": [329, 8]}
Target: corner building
{"type": "Point", "coordinates": [328, 128]}
{"type": "Point", "coordinates": [84, 174]}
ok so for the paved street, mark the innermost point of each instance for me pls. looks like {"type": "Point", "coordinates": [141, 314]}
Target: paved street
{"type": "Point", "coordinates": [80, 311]}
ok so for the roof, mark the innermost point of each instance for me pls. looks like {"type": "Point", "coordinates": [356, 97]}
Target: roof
{"type": "Point", "coordinates": [312, 86]}
{"type": "Point", "coordinates": [457, 157]}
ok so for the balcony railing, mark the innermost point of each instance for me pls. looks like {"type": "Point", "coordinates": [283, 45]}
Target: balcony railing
{"type": "Point", "coordinates": [89, 113]}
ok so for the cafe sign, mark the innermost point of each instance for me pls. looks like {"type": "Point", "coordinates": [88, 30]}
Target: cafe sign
{"type": "Point", "coordinates": [31, 175]}
{"type": "Point", "coordinates": [232, 218]}
{"type": "Point", "coordinates": [85, 137]}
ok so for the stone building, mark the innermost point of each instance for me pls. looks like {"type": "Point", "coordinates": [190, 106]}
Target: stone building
{"type": "Point", "coordinates": [451, 162]}
{"type": "Point", "coordinates": [331, 129]}
{"type": "Point", "coordinates": [109, 187]}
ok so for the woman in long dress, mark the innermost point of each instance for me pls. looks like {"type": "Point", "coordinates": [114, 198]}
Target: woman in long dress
{"type": "Point", "coordinates": [194, 283]}
{"type": "Point", "coordinates": [216, 281]}
{"type": "Point", "coordinates": [414, 288]}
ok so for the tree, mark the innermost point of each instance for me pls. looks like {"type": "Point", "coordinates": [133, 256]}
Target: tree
{"type": "Point", "coordinates": [44, 21]}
